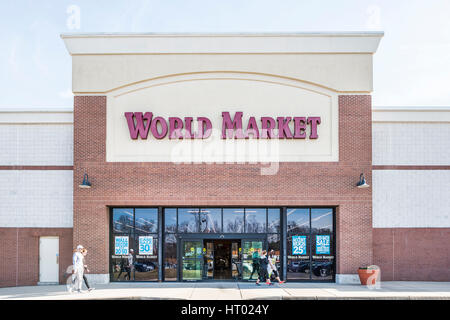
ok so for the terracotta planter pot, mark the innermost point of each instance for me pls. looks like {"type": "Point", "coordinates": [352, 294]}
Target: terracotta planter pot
{"type": "Point", "coordinates": [364, 275]}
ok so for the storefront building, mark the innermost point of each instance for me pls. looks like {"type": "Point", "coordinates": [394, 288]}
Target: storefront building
{"type": "Point", "coordinates": [201, 150]}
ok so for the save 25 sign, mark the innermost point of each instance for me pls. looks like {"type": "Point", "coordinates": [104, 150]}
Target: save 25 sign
{"type": "Point", "coordinates": [146, 245]}
{"type": "Point", "coordinates": [299, 245]}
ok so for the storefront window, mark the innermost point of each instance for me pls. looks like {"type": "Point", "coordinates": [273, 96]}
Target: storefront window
{"type": "Point", "coordinates": [134, 244]}
{"type": "Point", "coordinates": [135, 241]}
{"type": "Point", "coordinates": [273, 219]}
{"type": "Point", "coordinates": [297, 221]}
{"type": "Point", "coordinates": [273, 241]}
{"type": "Point", "coordinates": [123, 220]}
{"type": "Point", "coordinates": [255, 220]}
{"type": "Point", "coordinates": [170, 220]}
{"type": "Point", "coordinates": [321, 244]}
{"type": "Point", "coordinates": [322, 220]}
{"type": "Point", "coordinates": [233, 220]}
{"type": "Point", "coordinates": [188, 220]}
{"type": "Point", "coordinates": [146, 220]}
{"type": "Point", "coordinates": [211, 220]}
{"type": "Point", "coordinates": [310, 244]}
{"type": "Point", "coordinates": [298, 232]}
{"type": "Point", "coordinates": [170, 257]}
{"type": "Point", "coordinates": [146, 257]}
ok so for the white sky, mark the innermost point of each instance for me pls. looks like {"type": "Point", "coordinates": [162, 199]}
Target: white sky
{"type": "Point", "coordinates": [411, 66]}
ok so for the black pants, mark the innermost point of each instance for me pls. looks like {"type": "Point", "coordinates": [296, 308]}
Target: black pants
{"type": "Point", "coordinates": [263, 275]}
{"type": "Point", "coordinates": [275, 273]}
{"type": "Point", "coordinates": [255, 267]}
{"type": "Point", "coordinates": [85, 281]}
{"type": "Point", "coordinates": [127, 271]}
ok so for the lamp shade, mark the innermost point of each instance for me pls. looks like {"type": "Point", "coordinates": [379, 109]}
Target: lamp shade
{"type": "Point", "coordinates": [85, 184]}
{"type": "Point", "coordinates": [362, 182]}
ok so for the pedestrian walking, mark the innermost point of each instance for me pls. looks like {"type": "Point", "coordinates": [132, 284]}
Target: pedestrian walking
{"type": "Point", "coordinates": [84, 253]}
{"type": "Point", "coordinates": [131, 263]}
{"type": "Point", "coordinates": [263, 265]}
{"type": "Point", "coordinates": [255, 265]}
{"type": "Point", "coordinates": [78, 269]}
{"type": "Point", "coordinates": [123, 268]}
{"type": "Point", "coordinates": [273, 267]}
{"type": "Point", "coordinates": [127, 266]}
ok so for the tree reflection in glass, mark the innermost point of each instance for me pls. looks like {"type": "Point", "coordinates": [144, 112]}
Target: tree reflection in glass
{"type": "Point", "coordinates": [297, 221]}
{"type": "Point", "coordinates": [122, 220]}
{"type": "Point", "coordinates": [273, 220]}
{"type": "Point", "coordinates": [146, 220]}
{"type": "Point", "coordinates": [233, 220]}
{"type": "Point", "coordinates": [255, 220]}
{"type": "Point", "coordinates": [210, 220]}
{"type": "Point", "coordinates": [188, 220]}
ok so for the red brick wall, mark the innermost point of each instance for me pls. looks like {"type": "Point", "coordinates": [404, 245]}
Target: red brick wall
{"type": "Point", "coordinates": [152, 184]}
{"type": "Point", "coordinates": [421, 254]}
{"type": "Point", "coordinates": [19, 264]}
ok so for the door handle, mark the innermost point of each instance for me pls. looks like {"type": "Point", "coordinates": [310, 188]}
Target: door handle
{"type": "Point", "coordinates": [57, 259]}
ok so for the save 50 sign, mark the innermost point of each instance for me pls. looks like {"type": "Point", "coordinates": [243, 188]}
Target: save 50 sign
{"type": "Point", "coordinates": [121, 245]}
{"type": "Point", "coordinates": [146, 245]}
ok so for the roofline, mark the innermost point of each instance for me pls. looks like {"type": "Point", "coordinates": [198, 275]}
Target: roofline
{"type": "Point", "coordinates": [225, 34]}
{"type": "Point", "coordinates": [411, 114]}
{"type": "Point", "coordinates": [36, 109]}
{"type": "Point", "coordinates": [221, 43]}
{"type": "Point", "coordinates": [411, 108]}
{"type": "Point", "coordinates": [374, 109]}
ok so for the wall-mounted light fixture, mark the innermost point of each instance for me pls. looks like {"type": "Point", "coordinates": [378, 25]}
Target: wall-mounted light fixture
{"type": "Point", "coordinates": [85, 184]}
{"type": "Point", "coordinates": [362, 182]}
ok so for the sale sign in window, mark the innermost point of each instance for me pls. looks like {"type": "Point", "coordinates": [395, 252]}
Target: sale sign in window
{"type": "Point", "coordinates": [146, 245]}
{"type": "Point", "coordinates": [323, 244]}
{"type": "Point", "coordinates": [299, 245]}
{"type": "Point", "coordinates": [121, 245]}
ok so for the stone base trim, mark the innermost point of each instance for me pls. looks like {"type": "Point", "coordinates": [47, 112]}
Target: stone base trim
{"type": "Point", "coordinates": [347, 279]}
{"type": "Point", "coordinates": [97, 278]}
{"type": "Point", "coordinates": [48, 283]}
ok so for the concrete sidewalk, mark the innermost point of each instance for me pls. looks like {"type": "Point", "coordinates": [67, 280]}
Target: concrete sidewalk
{"type": "Point", "coordinates": [236, 291]}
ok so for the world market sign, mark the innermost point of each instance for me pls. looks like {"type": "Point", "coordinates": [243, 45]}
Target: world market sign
{"type": "Point", "coordinates": [142, 124]}
{"type": "Point", "coordinates": [222, 120]}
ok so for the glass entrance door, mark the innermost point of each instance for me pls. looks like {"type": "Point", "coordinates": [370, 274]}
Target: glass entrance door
{"type": "Point", "coordinates": [251, 249]}
{"type": "Point", "coordinates": [192, 259]}
{"type": "Point", "coordinates": [222, 260]}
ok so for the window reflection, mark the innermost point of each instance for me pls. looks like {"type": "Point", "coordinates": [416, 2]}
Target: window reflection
{"type": "Point", "coordinates": [146, 262]}
{"type": "Point", "coordinates": [322, 220]}
{"type": "Point", "coordinates": [135, 257]}
{"type": "Point", "coordinates": [273, 218]}
{"type": "Point", "coordinates": [170, 220]}
{"type": "Point", "coordinates": [310, 244]}
{"type": "Point", "coordinates": [255, 220]}
{"type": "Point", "coordinates": [146, 220]}
{"type": "Point", "coordinates": [170, 257]}
{"type": "Point", "coordinates": [122, 220]}
{"type": "Point", "coordinates": [297, 221]}
{"type": "Point", "coordinates": [210, 220]}
{"type": "Point", "coordinates": [188, 220]}
{"type": "Point", "coordinates": [233, 220]}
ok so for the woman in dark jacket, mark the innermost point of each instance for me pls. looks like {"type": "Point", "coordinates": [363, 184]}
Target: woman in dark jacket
{"type": "Point", "coordinates": [263, 264]}
{"type": "Point", "coordinates": [255, 265]}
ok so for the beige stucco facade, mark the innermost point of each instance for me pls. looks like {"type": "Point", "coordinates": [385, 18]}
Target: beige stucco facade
{"type": "Point", "coordinates": [265, 75]}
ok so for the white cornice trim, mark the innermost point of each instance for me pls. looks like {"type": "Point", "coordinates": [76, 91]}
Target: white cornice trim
{"type": "Point", "coordinates": [36, 116]}
{"type": "Point", "coordinates": [160, 43]}
{"type": "Point", "coordinates": [411, 114]}
{"type": "Point", "coordinates": [225, 34]}
{"type": "Point", "coordinates": [36, 109]}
